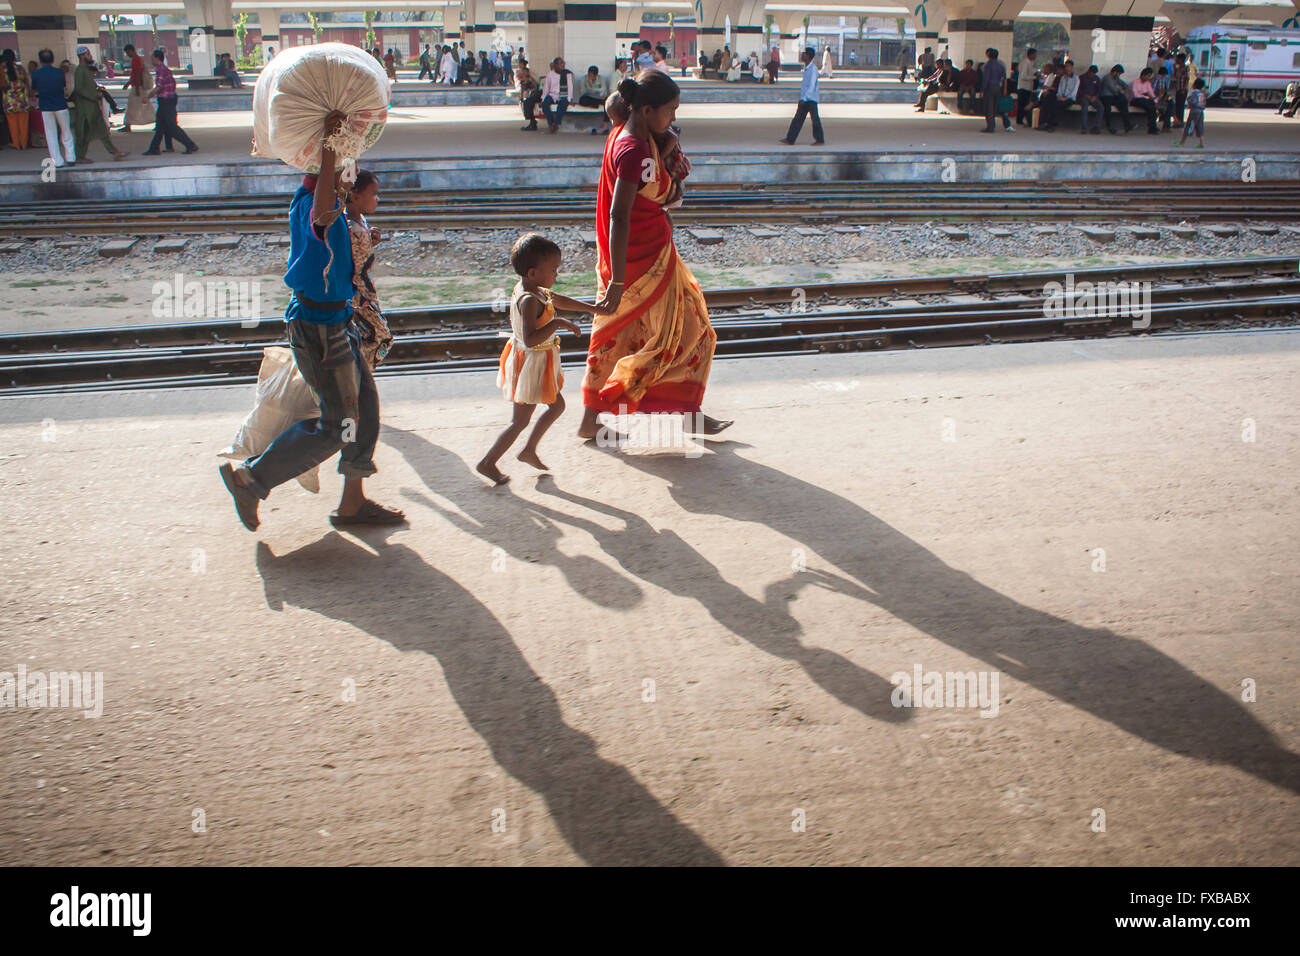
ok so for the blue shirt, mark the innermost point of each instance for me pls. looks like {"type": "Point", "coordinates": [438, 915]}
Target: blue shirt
{"type": "Point", "coordinates": [308, 255]}
{"type": "Point", "coordinates": [48, 81]}
{"type": "Point", "coordinates": [995, 74]}
{"type": "Point", "coordinates": [808, 91]}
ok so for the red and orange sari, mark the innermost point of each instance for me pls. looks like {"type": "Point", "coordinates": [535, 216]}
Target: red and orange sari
{"type": "Point", "coordinates": [654, 353]}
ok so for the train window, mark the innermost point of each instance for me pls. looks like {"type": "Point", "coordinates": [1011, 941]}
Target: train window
{"type": "Point", "coordinates": [1295, 59]}
{"type": "Point", "coordinates": [1205, 58]}
{"type": "Point", "coordinates": [1232, 58]}
{"type": "Point", "coordinates": [1259, 46]}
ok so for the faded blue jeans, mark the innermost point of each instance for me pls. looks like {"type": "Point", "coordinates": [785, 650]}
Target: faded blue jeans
{"type": "Point", "coordinates": [329, 358]}
{"type": "Point", "coordinates": [555, 109]}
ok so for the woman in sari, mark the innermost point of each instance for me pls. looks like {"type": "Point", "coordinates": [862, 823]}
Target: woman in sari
{"type": "Point", "coordinates": [652, 352]}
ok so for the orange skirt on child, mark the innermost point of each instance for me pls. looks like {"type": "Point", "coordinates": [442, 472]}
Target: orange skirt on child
{"type": "Point", "coordinates": [531, 376]}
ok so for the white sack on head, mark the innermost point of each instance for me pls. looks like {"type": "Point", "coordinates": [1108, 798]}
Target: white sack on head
{"type": "Point", "coordinates": [304, 84]}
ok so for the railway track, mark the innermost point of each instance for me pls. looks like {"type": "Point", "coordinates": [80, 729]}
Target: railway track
{"type": "Point", "coordinates": [883, 314]}
{"type": "Point", "coordinates": [744, 203]}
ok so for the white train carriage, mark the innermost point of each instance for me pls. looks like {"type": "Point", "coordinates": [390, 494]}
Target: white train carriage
{"type": "Point", "coordinates": [1246, 64]}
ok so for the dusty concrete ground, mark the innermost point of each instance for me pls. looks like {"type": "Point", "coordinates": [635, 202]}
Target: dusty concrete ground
{"type": "Point", "coordinates": [946, 509]}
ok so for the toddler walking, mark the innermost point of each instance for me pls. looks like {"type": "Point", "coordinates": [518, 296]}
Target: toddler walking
{"type": "Point", "coordinates": [530, 373]}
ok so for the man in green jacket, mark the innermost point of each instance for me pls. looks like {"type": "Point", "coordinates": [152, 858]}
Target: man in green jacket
{"type": "Point", "coordinates": [87, 118]}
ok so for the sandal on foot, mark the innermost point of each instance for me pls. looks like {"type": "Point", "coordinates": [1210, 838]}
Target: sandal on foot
{"type": "Point", "coordinates": [370, 512]}
{"type": "Point", "coordinates": [246, 501]}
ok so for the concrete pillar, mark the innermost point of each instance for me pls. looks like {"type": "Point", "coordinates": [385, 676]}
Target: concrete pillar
{"type": "Point", "coordinates": [452, 15]}
{"type": "Point", "coordinates": [223, 29]}
{"type": "Point", "coordinates": [973, 27]}
{"type": "Point", "coordinates": [268, 19]}
{"type": "Point", "coordinates": [746, 19]}
{"type": "Point", "coordinates": [45, 23]}
{"type": "Point", "coordinates": [198, 17]}
{"type": "Point", "coordinates": [88, 32]}
{"type": "Point", "coordinates": [545, 36]}
{"type": "Point", "coordinates": [480, 24]}
{"type": "Point", "coordinates": [930, 25]}
{"type": "Point", "coordinates": [1106, 32]}
{"type": "Point", "coordinates": [589, 36]}
{"type": "Point", "coordinates": [793, 34]}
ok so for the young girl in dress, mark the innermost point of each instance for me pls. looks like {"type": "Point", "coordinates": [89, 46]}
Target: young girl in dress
{"type": "Point", "coordinates": [530, 362]}
{"type": "Point", "coordinates": [367, 319]}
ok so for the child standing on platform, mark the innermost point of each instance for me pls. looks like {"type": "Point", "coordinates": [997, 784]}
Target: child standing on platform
{"type": "Point", "coordinates": [1195, 115]}
{"type": "Point", "coordinates": [530, 362]}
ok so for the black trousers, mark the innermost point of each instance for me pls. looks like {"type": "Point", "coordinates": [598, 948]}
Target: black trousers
{"type": "Point", "coordinates": [806, 107]}
{"type": "Point", "coordinates": [1117, 103]}
{"type": "Point", "coordinates": [529, 104]}
{"type": "Point", "coordinates": [1024, 106]}
{"type": "Point", "coordinates": [1147, 106]}
{"type": "Point", "coordinates": [165, 125]}
{"type": "Point", "coordinates": [586, 99]}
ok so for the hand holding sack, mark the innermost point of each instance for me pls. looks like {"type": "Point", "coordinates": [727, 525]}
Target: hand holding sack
{"type": "Point", "coordinates": [303, 85]}
{"type": "Point", "coordinates": [283, 399]}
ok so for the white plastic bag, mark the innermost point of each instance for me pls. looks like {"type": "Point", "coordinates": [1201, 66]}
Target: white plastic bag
{"type": "Point", "coordinates": [301, 86]}
{"type": "Point", "coordinates": [283, 398]}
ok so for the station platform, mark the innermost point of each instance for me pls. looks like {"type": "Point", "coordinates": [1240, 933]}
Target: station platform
{"type": "Point", "coordinates": [481, 147]}
{"type": "Point", "coordinates": [656, 658]}
{"type": "Point", "coordinates": [856, 87]}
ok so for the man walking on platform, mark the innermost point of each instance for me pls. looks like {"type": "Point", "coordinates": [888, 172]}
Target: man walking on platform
{"type": "Point", "coordinates": [165, 124]}
{"type": "Point", "coordinates": [328, 354]}
{"type": "Point", "coordinates": [88, 121]}
{"type": "Point", "coordinates": [993, 88]}
{"type": "Point", "coordinates": [426, 68]}
{"type": "Point", "coordinates": [807, 102]}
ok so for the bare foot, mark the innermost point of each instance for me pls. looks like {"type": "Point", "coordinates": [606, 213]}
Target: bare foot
{"type": "Point", "coordinates": [530, 458]}
{"type": "Point", "coordinates": [492, 473]}
{"type": "Point", "coordinates": [701, 424]}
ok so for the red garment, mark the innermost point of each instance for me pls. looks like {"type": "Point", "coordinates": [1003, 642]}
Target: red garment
{"type": "Point", "coordinates": [137, 71]}
{"type": "Point", "coordinates": [649, 230]}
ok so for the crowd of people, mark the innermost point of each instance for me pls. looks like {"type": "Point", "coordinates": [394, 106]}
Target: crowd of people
{"type": "Point", "coordinates": [1167, 93]}
{"type": "Point", "coordinates": [452, 64]}
{"type": "Point", "coordinates": [760, 68]}
{"type": "Point", "coordinates": [67, 108]}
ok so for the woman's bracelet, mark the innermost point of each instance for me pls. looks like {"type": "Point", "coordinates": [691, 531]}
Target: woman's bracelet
{"type": "Point", "coordinates": [615, 283]}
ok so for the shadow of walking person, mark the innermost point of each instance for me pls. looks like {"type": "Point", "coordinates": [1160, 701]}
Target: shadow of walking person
{"type": "Point", "coordinates": [662, 558]}
{"type": "Point", "coordinates": [603, 812]}
{"type": "Point", "coordinates": [499, 517]}
{"type": "Point", "coordinates": [1118, 679]}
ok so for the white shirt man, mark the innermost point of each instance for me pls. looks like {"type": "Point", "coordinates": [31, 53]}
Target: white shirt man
{"type": "Point", "coordinates": [807, 101]}
{"type": "Point", "coordinates": [447, 69]}
{"type": "Point", "coordinates": [1028, 70]}
{"type": "Point", "coordinates": [808, 88]}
